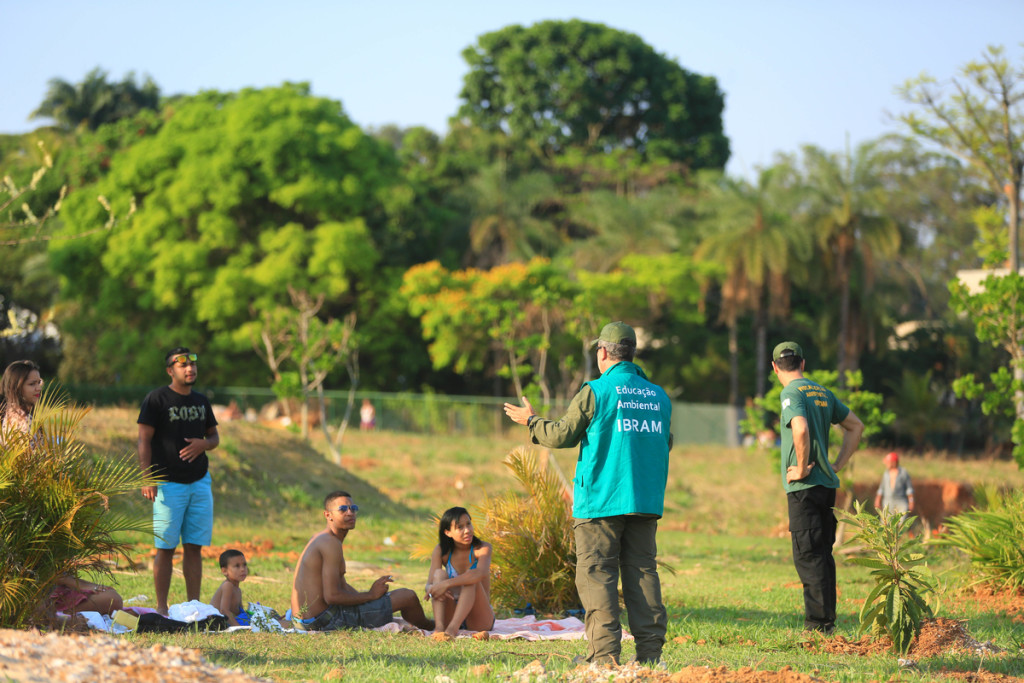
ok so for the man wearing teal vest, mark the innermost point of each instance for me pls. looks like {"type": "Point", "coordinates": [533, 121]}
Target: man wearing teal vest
{"type": "Point", "coordinates": [621, 422]}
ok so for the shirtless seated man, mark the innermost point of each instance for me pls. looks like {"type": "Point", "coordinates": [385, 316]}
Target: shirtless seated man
{"type": "Point", "coordinates": [322, 600]}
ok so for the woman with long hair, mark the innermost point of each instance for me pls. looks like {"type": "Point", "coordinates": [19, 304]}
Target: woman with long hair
{"type": "Point", "coordinates": [459, 583]}
{"type": "Point", "coordinates": [20, 390]}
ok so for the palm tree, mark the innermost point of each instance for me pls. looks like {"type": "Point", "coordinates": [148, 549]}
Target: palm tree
{"type": "Point", "coordinates": [845, 210]}
{"type": "Point", "coordinates": [620, 225]}
{"type": "Point", "coordinates": [95, 101]}
{"type": "Point", "coordinates": [508, 217]}
{"type": "Point", "coordinates": [753, 237]}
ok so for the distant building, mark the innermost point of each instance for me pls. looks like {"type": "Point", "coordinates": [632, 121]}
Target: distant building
{"type": "Point", "coordinates": [973, 278]}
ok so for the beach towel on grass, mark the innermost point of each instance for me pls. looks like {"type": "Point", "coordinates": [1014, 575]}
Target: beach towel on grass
{"type": "Point", "coordinates": [527, 628]}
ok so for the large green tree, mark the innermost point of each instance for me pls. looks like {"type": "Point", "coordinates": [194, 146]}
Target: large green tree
{"type": "Point", "coordinates": [561, 84]}
{"type": "Point", "coordinates": [979, 117]}
{"type": "Point", "coordinates": [240, 197]}
{"type": "Point", "coordinates": [533, 322]}
{"type": "Point", "coordinates": [95, 101]}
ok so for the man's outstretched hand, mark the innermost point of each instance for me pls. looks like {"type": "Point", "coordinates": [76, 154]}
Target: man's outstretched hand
{"type": "Point", "coordinates": [519, 414]}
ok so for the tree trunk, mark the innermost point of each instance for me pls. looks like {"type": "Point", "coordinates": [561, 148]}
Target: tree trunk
{"type": "Point", "coordinates": [335, 453]}
{"type": "Point", "coordinates": [542, 364]}
{"type": "Point", "coordinates": [843, 275]}
{"type": "Point", "coordinates": [734, 365]}
{"type": "Point", "coordinates": [353, 374]}
{"type": "Point", "coordinates": [305, 418]}
{"type": "Point", "coordinates": [1014, 197]}
{"type": "Point", "coordinates": [761, 322]}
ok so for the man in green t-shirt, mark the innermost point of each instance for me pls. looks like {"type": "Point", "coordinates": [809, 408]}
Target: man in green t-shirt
{"type": "Point", "coordinates": [808, 412]}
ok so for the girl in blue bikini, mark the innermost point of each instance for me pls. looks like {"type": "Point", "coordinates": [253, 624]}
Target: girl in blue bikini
{"type": "Point", "coordinates": [459, 583]}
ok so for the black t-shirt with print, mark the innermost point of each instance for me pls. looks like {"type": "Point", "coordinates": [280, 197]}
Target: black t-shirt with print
{"type": "Point", "coordinates": [174, 418]}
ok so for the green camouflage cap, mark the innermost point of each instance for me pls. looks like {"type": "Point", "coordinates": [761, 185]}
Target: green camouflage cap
{"type": "Point", "coordinates": [617, 333]}
{"type": "Point", "coordinates": [787, 349]}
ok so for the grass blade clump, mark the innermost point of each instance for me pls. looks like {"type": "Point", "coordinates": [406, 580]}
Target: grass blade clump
{"type": "Point", "coordinates": [897, 603]}
{"type": "Point", "coordinates": [55, 515]}
{"type": "Point", "coordinates": [993, 539]}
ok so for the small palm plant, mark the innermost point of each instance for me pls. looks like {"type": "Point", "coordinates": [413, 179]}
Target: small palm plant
{"type": "Point", "coordinates": [897, 603]}
{"type": "Point", "coordinates": [55, 515]}
{"type": "Point", "coordinates": [534, 557]}
{"type": "Point", "coordinates": [992, 538]}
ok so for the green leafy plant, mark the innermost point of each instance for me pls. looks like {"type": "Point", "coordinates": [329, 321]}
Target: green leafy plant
{"type": "Point", "coordinates": [534, 547]}
{"type": "Point", "coordinates": [997, 311]}
{"type": "Point", "coordinates": [993, 539]}
{"type": "Point", "coordinates": [55, 513]}
{"type": "Point", "coordinates": [897, 603]}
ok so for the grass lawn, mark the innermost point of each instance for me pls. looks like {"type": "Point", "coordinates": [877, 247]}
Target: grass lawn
{"type": "Point", "coordinates": [733, 595]}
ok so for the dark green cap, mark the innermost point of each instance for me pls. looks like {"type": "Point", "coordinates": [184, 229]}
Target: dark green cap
{"type": "Point", "coordinates": [787, 349]}
{"type": "Point", "coordinates": [617, 333]}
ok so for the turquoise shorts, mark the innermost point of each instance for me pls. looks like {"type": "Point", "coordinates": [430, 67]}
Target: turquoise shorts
{"type": "Point", "coordinates": [183, 512]}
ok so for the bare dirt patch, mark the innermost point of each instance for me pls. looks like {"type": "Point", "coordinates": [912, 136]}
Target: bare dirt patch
{"type": "Point", "coordinates": [33, 657]}
{"type": "Point", "coordinates": [1009, 602]}
{"type": "Point", "coordinates": [980, 677]}
{"type": "Point", "coordinates": [938, 637]}
{"type": "Point", "coordinates": [633, 672]}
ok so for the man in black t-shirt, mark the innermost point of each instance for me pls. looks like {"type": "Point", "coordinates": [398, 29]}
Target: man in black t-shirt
{"type": "Point", "coordinates": [176, 428]}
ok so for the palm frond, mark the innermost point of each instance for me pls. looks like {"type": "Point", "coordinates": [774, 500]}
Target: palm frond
{"type": "Point", "coordinates": [55, 515]}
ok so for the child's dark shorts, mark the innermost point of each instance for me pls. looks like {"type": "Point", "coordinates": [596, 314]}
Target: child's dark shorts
{"type": "Point", "coordinates": [367, 615]}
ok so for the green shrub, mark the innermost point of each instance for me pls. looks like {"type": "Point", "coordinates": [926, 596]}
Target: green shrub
{"type": "Point", "coordinates": [993, 539]}
{"type": "Point", "coordinates": [534, 548]}
{"type": "Point", "coordinates": [897, 602]}
{"type": "Point", "coordinates": [55, 515]}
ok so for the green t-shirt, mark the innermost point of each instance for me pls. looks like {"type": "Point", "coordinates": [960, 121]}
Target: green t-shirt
{"type": "Point", "coordinates": [821, 409]}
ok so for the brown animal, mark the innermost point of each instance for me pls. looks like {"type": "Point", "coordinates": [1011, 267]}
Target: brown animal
{"type": "Point", "coordinates": [934, 499]}
{"type": "Point", "coordinates": [937, 499]}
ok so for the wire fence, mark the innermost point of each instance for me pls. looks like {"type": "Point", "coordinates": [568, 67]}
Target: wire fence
{"type": "Point", "coordinates": [424, 413]}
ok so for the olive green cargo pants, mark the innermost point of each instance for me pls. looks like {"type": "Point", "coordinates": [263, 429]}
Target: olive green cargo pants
{"type": "Point", "coordinates": [604, 546]}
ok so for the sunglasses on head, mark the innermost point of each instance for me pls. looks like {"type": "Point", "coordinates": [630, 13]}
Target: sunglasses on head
{"type": "Point", "coordinates": [183, 359]}
{"type": "Point", "coordinates": [346, 508]}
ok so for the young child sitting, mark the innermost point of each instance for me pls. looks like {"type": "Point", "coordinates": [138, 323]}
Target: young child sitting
{"type": "Point", "coordinates": [228, 598]}
{"type": "Point", "coordinates": [459, 583]}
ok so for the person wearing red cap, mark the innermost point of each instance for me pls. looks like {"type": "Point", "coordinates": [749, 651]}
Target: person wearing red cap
{"type": "Point", "coordinates": [895, 492]}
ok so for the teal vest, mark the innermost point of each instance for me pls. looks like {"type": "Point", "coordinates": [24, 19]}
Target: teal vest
{"type": "Point", "coordinates": [623, 461]}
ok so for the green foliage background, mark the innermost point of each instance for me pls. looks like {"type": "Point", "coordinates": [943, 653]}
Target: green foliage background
{"type": "Point", "coordinates": [576, 145]}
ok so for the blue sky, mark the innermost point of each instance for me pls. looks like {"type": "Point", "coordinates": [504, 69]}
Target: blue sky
{"type": "Point", "coordinates": [792, 72]}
